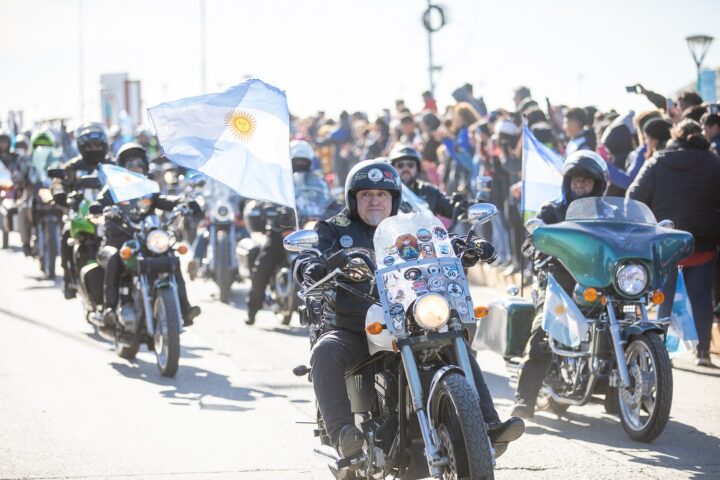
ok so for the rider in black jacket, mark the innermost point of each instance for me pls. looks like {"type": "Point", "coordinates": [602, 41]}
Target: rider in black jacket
{"type": "Point", "coordinates": [585, 174]}
{"type": "Point", "coordinates": [92, 142]}
{"type": "Point", "coordinates": [372, 193]}
{"type": "Point", "coordinates": [406, 161]}
{"type": "Point", "coordinates": [134, 157]}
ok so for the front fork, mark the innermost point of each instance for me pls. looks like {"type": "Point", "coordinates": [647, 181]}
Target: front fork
{"type": "Point", "coordinates": [617, 345]}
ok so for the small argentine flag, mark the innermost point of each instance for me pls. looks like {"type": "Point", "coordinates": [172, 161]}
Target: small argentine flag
{"type": "Point", "coordinates": [239, 137]}
{"type": "Point", "coordinates": [126, 185]}
{"type": "Point", "coordinates": [562, 319]}
{"type": "Point", "coordinates": [541, 174]}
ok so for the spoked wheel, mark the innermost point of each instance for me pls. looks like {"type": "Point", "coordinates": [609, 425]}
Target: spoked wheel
{"type": "Point", "coordinates": [546, 402]}
{"type": "Point", "coordinates": [645, 406]}
{"type": "Point", "coordinates": [461, 430]}
{"type": "Point", "coordinates": [167, 332]}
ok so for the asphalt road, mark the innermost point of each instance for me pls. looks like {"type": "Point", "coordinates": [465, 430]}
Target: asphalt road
{"type": "Point", "coordinates": [70, 408]}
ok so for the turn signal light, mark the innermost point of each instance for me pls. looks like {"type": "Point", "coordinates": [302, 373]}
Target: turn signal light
{"type": "Point", "coordinates": [590, 295]}
{"type": "Point", "coordinates": [374, 328]}
{"type": "Point", "coordinates": [125, 253]}
{"type": "Point", "coordinates": [657, 297]}
{"type": "Point", "coordinates": [480, 312]}
{"type": "Point", "coordinates": [182, 249]}
{"type": "Point", "coordinates": [603, 300]}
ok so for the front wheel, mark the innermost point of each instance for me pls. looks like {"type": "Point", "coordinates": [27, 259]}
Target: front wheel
{"type": "Point", "coordinates": [645, 406]}
{"type": "Point", "coordinates": [461, 429]}
{"type": "Point", "coordinates": [167, 332]}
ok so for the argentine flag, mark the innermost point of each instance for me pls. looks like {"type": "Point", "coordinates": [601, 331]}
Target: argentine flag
{"type": "Point", "coordinates": [681, 335]}
{"type": "Point", "coordinates": [126, 185]}
{"type": "Point", "coordinates": [5, 176]}
{"type": "Point", "coordinates": [239, 137]}
{"type": "Point", "coordinates": [541, 174]}
{"type": "Point", "coordinates": [562, 319]}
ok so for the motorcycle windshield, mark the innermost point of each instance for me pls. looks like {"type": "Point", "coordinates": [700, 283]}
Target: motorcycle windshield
{"type": "Point", "coordinates": [415, 257]}
{"type": "Point", "coordinates": [599, 234]}
{"type": "Point", "coordinates": [312, 201]}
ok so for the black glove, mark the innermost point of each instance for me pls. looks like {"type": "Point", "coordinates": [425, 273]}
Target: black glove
{"type": "Point", "coordinates": [60, 199]}
{"type": "Point", "coordinates": [313, 271]}
{"type": "Point", "coordinates": [486, 251]}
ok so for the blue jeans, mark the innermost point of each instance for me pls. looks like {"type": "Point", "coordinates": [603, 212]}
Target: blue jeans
{"type": "Point", "coordinates": [699, 284]}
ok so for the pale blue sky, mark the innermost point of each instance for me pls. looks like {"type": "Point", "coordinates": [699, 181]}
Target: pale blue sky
{"type": "Point", "coordinates": [358, 55]}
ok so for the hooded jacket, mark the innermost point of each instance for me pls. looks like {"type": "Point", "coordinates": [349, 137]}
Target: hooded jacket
{"type": "Point", "coordinates": [683, 185]}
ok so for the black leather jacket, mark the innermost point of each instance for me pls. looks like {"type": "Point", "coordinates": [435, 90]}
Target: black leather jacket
{"type": "Point", "coordinates": [342, 309]}
{"type": "Point", "coordinates": [438, 202]}
{"type": "Point", "coordinates": [74, 169]}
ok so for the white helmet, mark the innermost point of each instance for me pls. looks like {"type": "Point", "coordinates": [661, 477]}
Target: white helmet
{"type": "Point", "coordinates": [301, 149]}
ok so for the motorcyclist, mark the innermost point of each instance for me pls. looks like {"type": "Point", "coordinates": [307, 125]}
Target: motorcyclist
{"type": "Point", "coordinates": [372, 193]}
{"type": "Point", "coordinates": [92, 142]}
{"type": "Point", "coordinates": [585, 174]}
{"type": "Point", "coordinates": [134, 157]}
{"type": "Point", "coordinates": [407, 162]}
{"type": "Point", "coordinates": [272, 253]}
{"type": "Point", "coordinates": [34, 171]}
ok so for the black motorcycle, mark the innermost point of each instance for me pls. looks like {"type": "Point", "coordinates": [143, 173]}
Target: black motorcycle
{"type": "Point", "coordinates": [48, 221]}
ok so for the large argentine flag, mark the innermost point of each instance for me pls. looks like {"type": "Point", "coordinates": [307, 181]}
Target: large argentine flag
{"type": "Point", "coordinates": [5, 176]}
{"type": "Point", "coordinates": [541, 174]}
{"type": "Point", "coordinates": [681, 335]}
{"type": "Point", "coordinates": [562, 319]}
{"type": "Point", "coordinates": [238, 137]}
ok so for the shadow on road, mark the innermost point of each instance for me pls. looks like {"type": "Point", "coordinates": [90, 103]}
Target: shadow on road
{"type": "Point", "coordinates": [291, 331]}
{"type": "Point", "coordinates": [210, 390]}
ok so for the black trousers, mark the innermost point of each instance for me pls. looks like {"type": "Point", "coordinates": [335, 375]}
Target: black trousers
{"type": "Point", "coordinates": [112, 284]}
{"type": "Point", "coordinates": [66, 254]}
{"type": "Point", "coordinates": [271, 255]}
{"type": "Point", "coordinates": [337, 352]}
{"type": "Point", "coordinates": [535, 364]}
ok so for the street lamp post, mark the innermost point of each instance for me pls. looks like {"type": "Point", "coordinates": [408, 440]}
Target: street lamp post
{"type": "Point", "coordinates": [431, 26]}
{"type": "Point", "coordinates": [699, 46]}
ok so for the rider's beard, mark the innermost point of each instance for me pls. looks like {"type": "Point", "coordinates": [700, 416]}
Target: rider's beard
{"type": "Point", "coordinates": [374, 218]}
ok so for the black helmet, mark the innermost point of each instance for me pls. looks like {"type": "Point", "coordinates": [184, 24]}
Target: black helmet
{"type": "Point", "coordinates": [131, 150]}
{"type": "Point", "coordinates": [92, 133]}
{"type": "Point", "coordinates": [402, 152]}
{"type": "Point", "coordinates": [375, 174]}
{"type": "Point", "coordinates": [585, 163]}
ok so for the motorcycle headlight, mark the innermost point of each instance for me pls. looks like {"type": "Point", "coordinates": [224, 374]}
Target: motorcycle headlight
{"type": "Point", "coordinates": [631, 279]}
{"type": "Point", "coordinates": [223, 213]}
{"type": "Point", "coordinates": [431, 311]}
{"type": "Point", "coordinates": [158, 241]}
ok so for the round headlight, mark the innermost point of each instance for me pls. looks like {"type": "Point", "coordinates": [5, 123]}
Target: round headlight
{"type": "Point", "coordinates": [632, 279]}
{"type": "Point", "coordinates": [223, 212]}
{"type": "Point", "coordinates": [431, 311]}
{"type": "Point", "coordinates": [158, 241]}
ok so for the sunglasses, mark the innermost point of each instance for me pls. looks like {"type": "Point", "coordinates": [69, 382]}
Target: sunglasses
{"type": "Point", "coordinates": [405, 164]}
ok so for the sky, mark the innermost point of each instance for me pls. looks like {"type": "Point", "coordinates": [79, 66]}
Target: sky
{"type": "Point", "coordinates": [342, 54]}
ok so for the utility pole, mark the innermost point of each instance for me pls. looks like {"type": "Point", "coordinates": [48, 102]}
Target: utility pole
{"type": "Point", "coordinates": [432, 26]}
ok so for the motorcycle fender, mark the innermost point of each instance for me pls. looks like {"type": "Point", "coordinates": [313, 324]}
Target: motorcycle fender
{"type": "Point", "coordinates": [638, 329]}
{"type": "Point", "coordinates": [381, 342]}
{"type": "Point", "coordinates": [437, 376]}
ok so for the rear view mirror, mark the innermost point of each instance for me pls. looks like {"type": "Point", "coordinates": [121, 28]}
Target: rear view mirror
{"type": "Point", "coordinates": [481, 212]}
{"type": "Point", "coordinates": [96, 209]}
{"type": "Point", "coordinates": [88, 181]}
{"type": "Point", "coordinates": [533, 224]}
{"type": "Point", "coordinates": [301, 240]}
{"type": "Point", "coordinates": [666, 224]}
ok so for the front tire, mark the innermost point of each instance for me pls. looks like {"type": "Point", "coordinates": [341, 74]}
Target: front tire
{"type": "Point", "coordinates": [645, 406]}
{"type": "Point", "coordinates": [223, 274]}
{"type": "Point", "coordinates": [461, 428]}
{"type": "Point", "coordinates": [167, 332]}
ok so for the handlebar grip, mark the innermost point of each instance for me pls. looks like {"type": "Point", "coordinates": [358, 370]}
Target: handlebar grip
{"type": "Point", "coordinates": [337, 260]}
{"type": "Point", "coordinates": [368, 261]}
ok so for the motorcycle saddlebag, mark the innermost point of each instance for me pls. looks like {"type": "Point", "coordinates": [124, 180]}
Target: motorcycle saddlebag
{"type": "Point", "coordinates": [93, 277]}
{"type": "Point", "coordinates": [506, 328]}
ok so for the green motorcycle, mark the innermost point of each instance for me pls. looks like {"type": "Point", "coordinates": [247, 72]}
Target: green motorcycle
{"type": "Point", "coordinates": [619, 257]}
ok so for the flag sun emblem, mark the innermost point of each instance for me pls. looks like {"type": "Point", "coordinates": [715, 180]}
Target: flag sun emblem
{"type": "Point", "coordinates": [241, 124]}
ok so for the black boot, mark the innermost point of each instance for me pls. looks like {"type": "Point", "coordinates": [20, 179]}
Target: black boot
{"type": "Point", "coordinates": [350, 441]}
{"type": "Point", "coordinates": [523, 409]}
{"type": "Point", "coordinates": [502, 433]}
{"type": "Point", "coordinates": [190, 315]}
{"type": "Point", "coordinates": [251, 317]}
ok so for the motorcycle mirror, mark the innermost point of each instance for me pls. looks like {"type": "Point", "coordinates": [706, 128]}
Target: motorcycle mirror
{"type": "Point", "coordinates": [533, 224]}
{"type": "Point", "coordinates": [481, 212]}
{"type": "Point", "coordinates": [88, 181]}
{"type": "Point", "coordinates": [666, 224]}
{"type": "Point", "coordinates": [301, 240]}
{"type": "Point", "coordinates": [56, 173]}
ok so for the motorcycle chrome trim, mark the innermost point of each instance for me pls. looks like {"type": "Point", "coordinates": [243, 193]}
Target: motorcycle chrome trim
{"type": "Point", "coordinates": [569, 401]}
{"type": "Point", "coordinates": [312, 287]}
{"type": "Point", "coordinates": [149, 324]}
{"type": "Point", "coordinates": [565, 353]}
{"type": "Point", "coordinates": [617, 345]}
{"type": "Point", "coordinates": [432, 452]}
{"type": "Point", "coordinates": [176, 298]}
{"type": "Point", "coordinates": [461, 353]}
